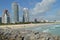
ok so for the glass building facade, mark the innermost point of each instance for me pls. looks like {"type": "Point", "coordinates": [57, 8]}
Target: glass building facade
{"type": "Point", "coordinates": [15, 8]}
{"type": "Point", "coordinates": [25, 15]}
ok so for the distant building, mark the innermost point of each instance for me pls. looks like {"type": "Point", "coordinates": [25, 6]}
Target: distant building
{"type": "Point", "coordinates": [15, 8]}
{"type": "Point", "coordinates": [54, 20]}
{"type": "Point", "coordinates": [0, 19]}
{"type": "Point", "coordinates": [46, 21]}
{"type": "Point", "coordinates": [35, 20]}
{"type": "Point", "coordinates": [42, 21]}
{"type": "Point", "coordinates": [5, 17]}
{"type": "Point", "coordinates": [25, 15]}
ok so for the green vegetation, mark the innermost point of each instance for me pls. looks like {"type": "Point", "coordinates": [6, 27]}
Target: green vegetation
{"type": "Point", "coordinates": [23, 23]}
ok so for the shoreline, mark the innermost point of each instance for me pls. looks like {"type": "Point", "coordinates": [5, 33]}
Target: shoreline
{"type": "Point", "coordinates": [25, 25]}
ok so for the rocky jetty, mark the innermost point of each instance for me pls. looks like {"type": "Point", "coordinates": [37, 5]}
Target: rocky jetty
{"type": "Point", "coordinates": [22, 34]}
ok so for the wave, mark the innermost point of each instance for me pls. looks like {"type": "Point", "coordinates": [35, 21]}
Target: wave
{"type": "Point", "coordinates": [47, 30]}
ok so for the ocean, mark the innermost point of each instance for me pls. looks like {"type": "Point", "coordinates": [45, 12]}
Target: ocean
{"type": "Point", "coordinates": [53, 29]}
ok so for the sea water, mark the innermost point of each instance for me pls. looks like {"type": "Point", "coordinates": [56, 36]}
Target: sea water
{"type": "Point", "coordinates": [53, 29]}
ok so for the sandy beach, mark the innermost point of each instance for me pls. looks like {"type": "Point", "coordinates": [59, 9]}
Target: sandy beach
{"type": "Point", "coordinates": [24, 25]}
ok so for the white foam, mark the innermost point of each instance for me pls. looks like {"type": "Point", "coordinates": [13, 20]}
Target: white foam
{"type": "Point", "coordinates": [47, 30]}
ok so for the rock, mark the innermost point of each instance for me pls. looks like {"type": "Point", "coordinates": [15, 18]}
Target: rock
{"type": "Point", "coordinates": [17, 34]}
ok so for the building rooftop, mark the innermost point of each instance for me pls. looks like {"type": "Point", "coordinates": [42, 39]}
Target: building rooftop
{"type": "Point", "coordinates": [6, 12]}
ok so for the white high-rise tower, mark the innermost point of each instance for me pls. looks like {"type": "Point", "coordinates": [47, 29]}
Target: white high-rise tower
{"type": "Point", "coordinates": [15, 8]}
{"type": "Point", "coordinates": [5, 17]}
{"type": "Point", "coordinates": [25, 15]}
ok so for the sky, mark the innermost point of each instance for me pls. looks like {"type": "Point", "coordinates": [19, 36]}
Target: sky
{"type": "Point", "coordinates": [40, 9]}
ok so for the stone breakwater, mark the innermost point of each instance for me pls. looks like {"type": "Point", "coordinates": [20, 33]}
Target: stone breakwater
{"type": "Point", "coordinates": [22, 34]}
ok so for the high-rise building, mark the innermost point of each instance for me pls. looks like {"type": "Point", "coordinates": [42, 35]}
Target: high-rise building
{"type": "Point", "coordinates": [0, 19]}
{"type": "Point", "coordinates": [25, 15]}
{"type": "Point", "coordinates": [15, 8]}
{"type": "Point", "coordinates": [23, 19]}
{"type": "Point", "coordinates": [5, 17]}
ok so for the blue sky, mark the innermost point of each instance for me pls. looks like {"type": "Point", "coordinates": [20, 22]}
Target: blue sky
{"type": "Point", "coordinates": [40, 9]}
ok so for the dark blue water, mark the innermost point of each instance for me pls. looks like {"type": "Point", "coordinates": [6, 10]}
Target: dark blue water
{"type": "Point", "coordinates": [53, 29]}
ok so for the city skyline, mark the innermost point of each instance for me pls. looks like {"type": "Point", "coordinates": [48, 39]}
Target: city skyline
{"type": "Point", "coordinates": [50, 9]}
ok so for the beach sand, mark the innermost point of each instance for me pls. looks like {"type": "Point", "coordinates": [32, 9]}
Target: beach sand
{"type": "Point", "coordinates": [24, 25]}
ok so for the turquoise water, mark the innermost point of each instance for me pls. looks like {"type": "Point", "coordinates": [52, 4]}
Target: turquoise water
{"type": "Point", "coordinates": [53, 29]}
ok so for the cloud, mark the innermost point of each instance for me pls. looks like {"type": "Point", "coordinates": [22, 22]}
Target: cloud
{"type": "Point", "coordinates": [57, 17]}
{"type": "Point", "coordinates": [43, 6]}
